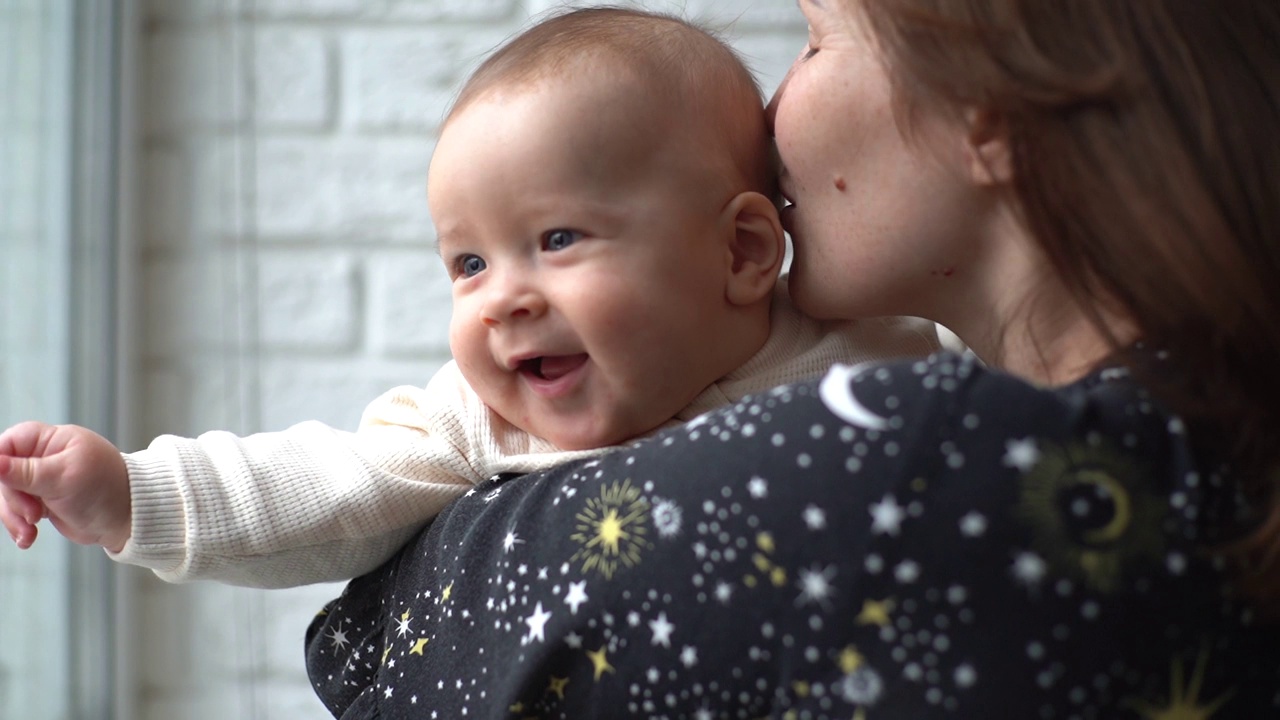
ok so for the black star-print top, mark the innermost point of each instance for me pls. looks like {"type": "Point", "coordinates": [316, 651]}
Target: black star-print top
{"type": "Point", "coordinates": [916, 540]}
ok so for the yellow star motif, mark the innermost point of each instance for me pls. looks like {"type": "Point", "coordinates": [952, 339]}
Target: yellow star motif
{"type": "Point", "coordinates": [405, 615]}
{"type": "Point", "coordinates": [517, 708]}
{"type": "Point", "coordinates": [385, 653]}
{"type": "Point", "coordinates": [800, 688]}
{"type": "Point", "coordinates": [919, 484]}
{"type": "Point", "coordinates": [557, 685]}
{"type": "Point", "coordinates": [447, 592]}
{"type": "Point", "coordinates": [417, 646]}
{"type": "Point", "coordinates": [875, 612]}
{"type": "Point", "coordinates": [778, 576]}
{"type": "Point", "coordinates": [765, 542]}
{"type": "Point", "coordinates": [850, 660]}
{"type": "Point", "coordinates": [599, 660]}
{"type": "Point", "coordinates": [1185, 701]}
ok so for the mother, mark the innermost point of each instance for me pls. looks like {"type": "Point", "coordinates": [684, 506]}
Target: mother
{"type": "Point", "coordinates": [1086, 192]}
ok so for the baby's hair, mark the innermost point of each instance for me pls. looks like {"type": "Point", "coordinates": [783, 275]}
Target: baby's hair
{"type": "Point", "coordinates": [686, 65]}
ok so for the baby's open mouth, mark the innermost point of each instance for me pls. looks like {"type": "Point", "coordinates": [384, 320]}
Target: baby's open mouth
{"type": "Point", "coordinates": [552, 367]}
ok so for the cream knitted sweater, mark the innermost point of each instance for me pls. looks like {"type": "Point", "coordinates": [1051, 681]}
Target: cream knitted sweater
{"type": "Point", "coordinates": [312, 503]}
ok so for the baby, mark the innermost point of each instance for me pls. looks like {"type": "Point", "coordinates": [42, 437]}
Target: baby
{"type": "Point", "coordinates": [603, 192]}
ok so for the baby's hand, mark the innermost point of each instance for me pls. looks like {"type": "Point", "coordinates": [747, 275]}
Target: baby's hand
{"type": "Point", "coordinates": [68, 474]}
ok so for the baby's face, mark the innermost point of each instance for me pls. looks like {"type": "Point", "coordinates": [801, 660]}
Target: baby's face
{"type": "Point", "coordinates": [581, 241]}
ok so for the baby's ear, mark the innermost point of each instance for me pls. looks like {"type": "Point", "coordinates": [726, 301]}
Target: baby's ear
{"type": "Point", "coordinates": [756, 249]}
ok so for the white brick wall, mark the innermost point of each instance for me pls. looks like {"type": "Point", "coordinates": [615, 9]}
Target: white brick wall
{"type": "Point", "coordinates": [286, 265]}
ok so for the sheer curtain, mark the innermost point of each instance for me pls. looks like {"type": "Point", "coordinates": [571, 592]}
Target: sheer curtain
{"type": "Point", "coordinates": [59, 194]}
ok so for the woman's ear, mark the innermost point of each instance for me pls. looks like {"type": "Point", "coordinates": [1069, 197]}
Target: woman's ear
{"type": "Point", "coordinates": [987, 148]}
{"type": "Point", "coordinates": [756, 249]}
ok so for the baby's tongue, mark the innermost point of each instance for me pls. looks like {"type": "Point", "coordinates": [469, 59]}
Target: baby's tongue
{"type": "Point", "coordinates": [556, 366]}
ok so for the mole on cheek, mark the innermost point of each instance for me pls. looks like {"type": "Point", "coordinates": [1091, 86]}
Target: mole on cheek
{"type": "Point", "coordinates": [840, 184]}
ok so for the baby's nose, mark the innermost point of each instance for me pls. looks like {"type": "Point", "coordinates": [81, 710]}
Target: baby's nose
{"type": "Point", "coordinates": [512, 303]}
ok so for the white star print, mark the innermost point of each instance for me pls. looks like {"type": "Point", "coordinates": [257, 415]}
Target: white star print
{"type": "Point", "coordinates": [689, 656]}
{"type": "Point", "coordinates": [815, 518]}
{"type": "Point", "coordinates": [724, 591]}
{"type": "Point", "coordinates": [661, 630]}
{"type": "Point", "coordinates": [1022, 454]}
{"type": "Point", "coordinates": [815, 586]}
{"type": "Point", "coordinates": [907, 571]}
{"type": "Point", "coordinates": [542, 573]}
{"type": "Point", "coordinates": [338, 637]}
{"type": "Point", "coordinates": [973, 524]}
{"type": "Point", "coordinates": [633, 618]}
{"type": "Point", "coordinates": [510, 541]}
{"type": "Point", "coordinates": [758, 487]}
{"type": "Point", "coordinates": [576, 596]}
{"type": "Point", "coordinates": [537, 623]}
{"type": "Point", "coordinates": [887, 516]}
{"type": "Point", "coordinates": [573, 640]}
{"type": "Point", "coordinates": [1029, 568]}
{"type": "Point", "coordinates": [493, 495]}
{"type": "Point", "coordinates": [387, 693]}
{"type": "Point", "coordinates": [402, 626]}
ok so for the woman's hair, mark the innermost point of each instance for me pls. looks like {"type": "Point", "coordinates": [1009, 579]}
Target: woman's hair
{"type": "Point", "coordinates": [1146, 165]}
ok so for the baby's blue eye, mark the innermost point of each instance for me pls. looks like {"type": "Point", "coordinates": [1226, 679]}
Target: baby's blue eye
{"type": "Point", "coordinates": [470, 265]}
{"type": "Point", "coordinates": [559, 239]}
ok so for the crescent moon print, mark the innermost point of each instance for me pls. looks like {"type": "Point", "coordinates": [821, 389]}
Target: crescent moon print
{"type": "Point", "coordinates": [836, 391]}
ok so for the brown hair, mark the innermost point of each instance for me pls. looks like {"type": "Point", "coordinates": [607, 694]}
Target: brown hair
{"type": "Point", "coordinates": [685, 66]}
{"type": "Point", "coordinates": [1146, 166]}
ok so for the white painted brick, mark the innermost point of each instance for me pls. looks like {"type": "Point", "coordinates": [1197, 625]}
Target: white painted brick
{"type": "Point", "coordinates": [191, 191]}
{"type": "Point", "coordinates": [191, 636]}
{"type": "Point", "coordinates": [195, 394]}
{"type": "Point", "coordinates": [410, 298]}
{"type": "Point", "coordinates": [164, 207]}
{"type": "Point", "coordinates": [402, 10]}
{"type": "Point", "coordinates": [333, 391]}
{"type": "Point", "coordinates": [359, 189]}
{"type": "Point", "coordinates": [307, 300]}
{"type": "Point", "coordinates": [291, 79]}
{"type": "Point", "coordinates": [296, 9]}
{"type": "Point", "coordinates": [774, 15]}
{"type": "Point", "coordinates": [189, 10]}
{"type": "Point", "coordinates": [406, 79]}
{"type": "Point", "coordinates": [188, 79]}
{"type": "Point", "coordinates": [448, 10]}
{"type": "Point", "coordinates": [180, 307]}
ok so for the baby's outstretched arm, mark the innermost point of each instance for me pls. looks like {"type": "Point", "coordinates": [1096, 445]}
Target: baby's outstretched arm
{"type": "Point", "coordinates": [68, 474]}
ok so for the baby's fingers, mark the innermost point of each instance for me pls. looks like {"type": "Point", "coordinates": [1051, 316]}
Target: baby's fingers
{"type": "Point", "coordinates": [19, 512]}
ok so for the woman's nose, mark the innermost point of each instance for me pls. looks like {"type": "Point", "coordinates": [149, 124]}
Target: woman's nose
{"type": "Point", "coordinates": [510, 302]}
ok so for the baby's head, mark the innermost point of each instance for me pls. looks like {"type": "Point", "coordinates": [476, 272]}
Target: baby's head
{"type": "Point", "coordinates": [603, 196]}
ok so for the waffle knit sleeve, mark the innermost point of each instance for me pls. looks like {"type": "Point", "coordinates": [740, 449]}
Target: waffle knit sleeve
{"type": "Point", "coordinates": [310, 503]}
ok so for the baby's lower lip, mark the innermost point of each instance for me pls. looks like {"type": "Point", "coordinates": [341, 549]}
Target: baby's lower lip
{"type": "Point", "coordinates": [553, 375]}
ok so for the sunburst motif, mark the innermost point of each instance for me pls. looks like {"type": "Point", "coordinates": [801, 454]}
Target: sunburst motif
{"type": "Point", "coordinates": [1089, 517]}
{"type": "Point", "coordinates": [610, 530]}
{"type": "Point", "coordinates": [1184, 700]}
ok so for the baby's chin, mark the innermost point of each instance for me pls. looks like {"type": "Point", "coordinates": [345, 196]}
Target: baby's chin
{"type": "Point", "coordinates": [595, 435]}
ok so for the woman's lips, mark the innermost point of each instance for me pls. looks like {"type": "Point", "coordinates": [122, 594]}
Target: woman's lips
{"type": "Point", "coordinates": [553, 375]}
